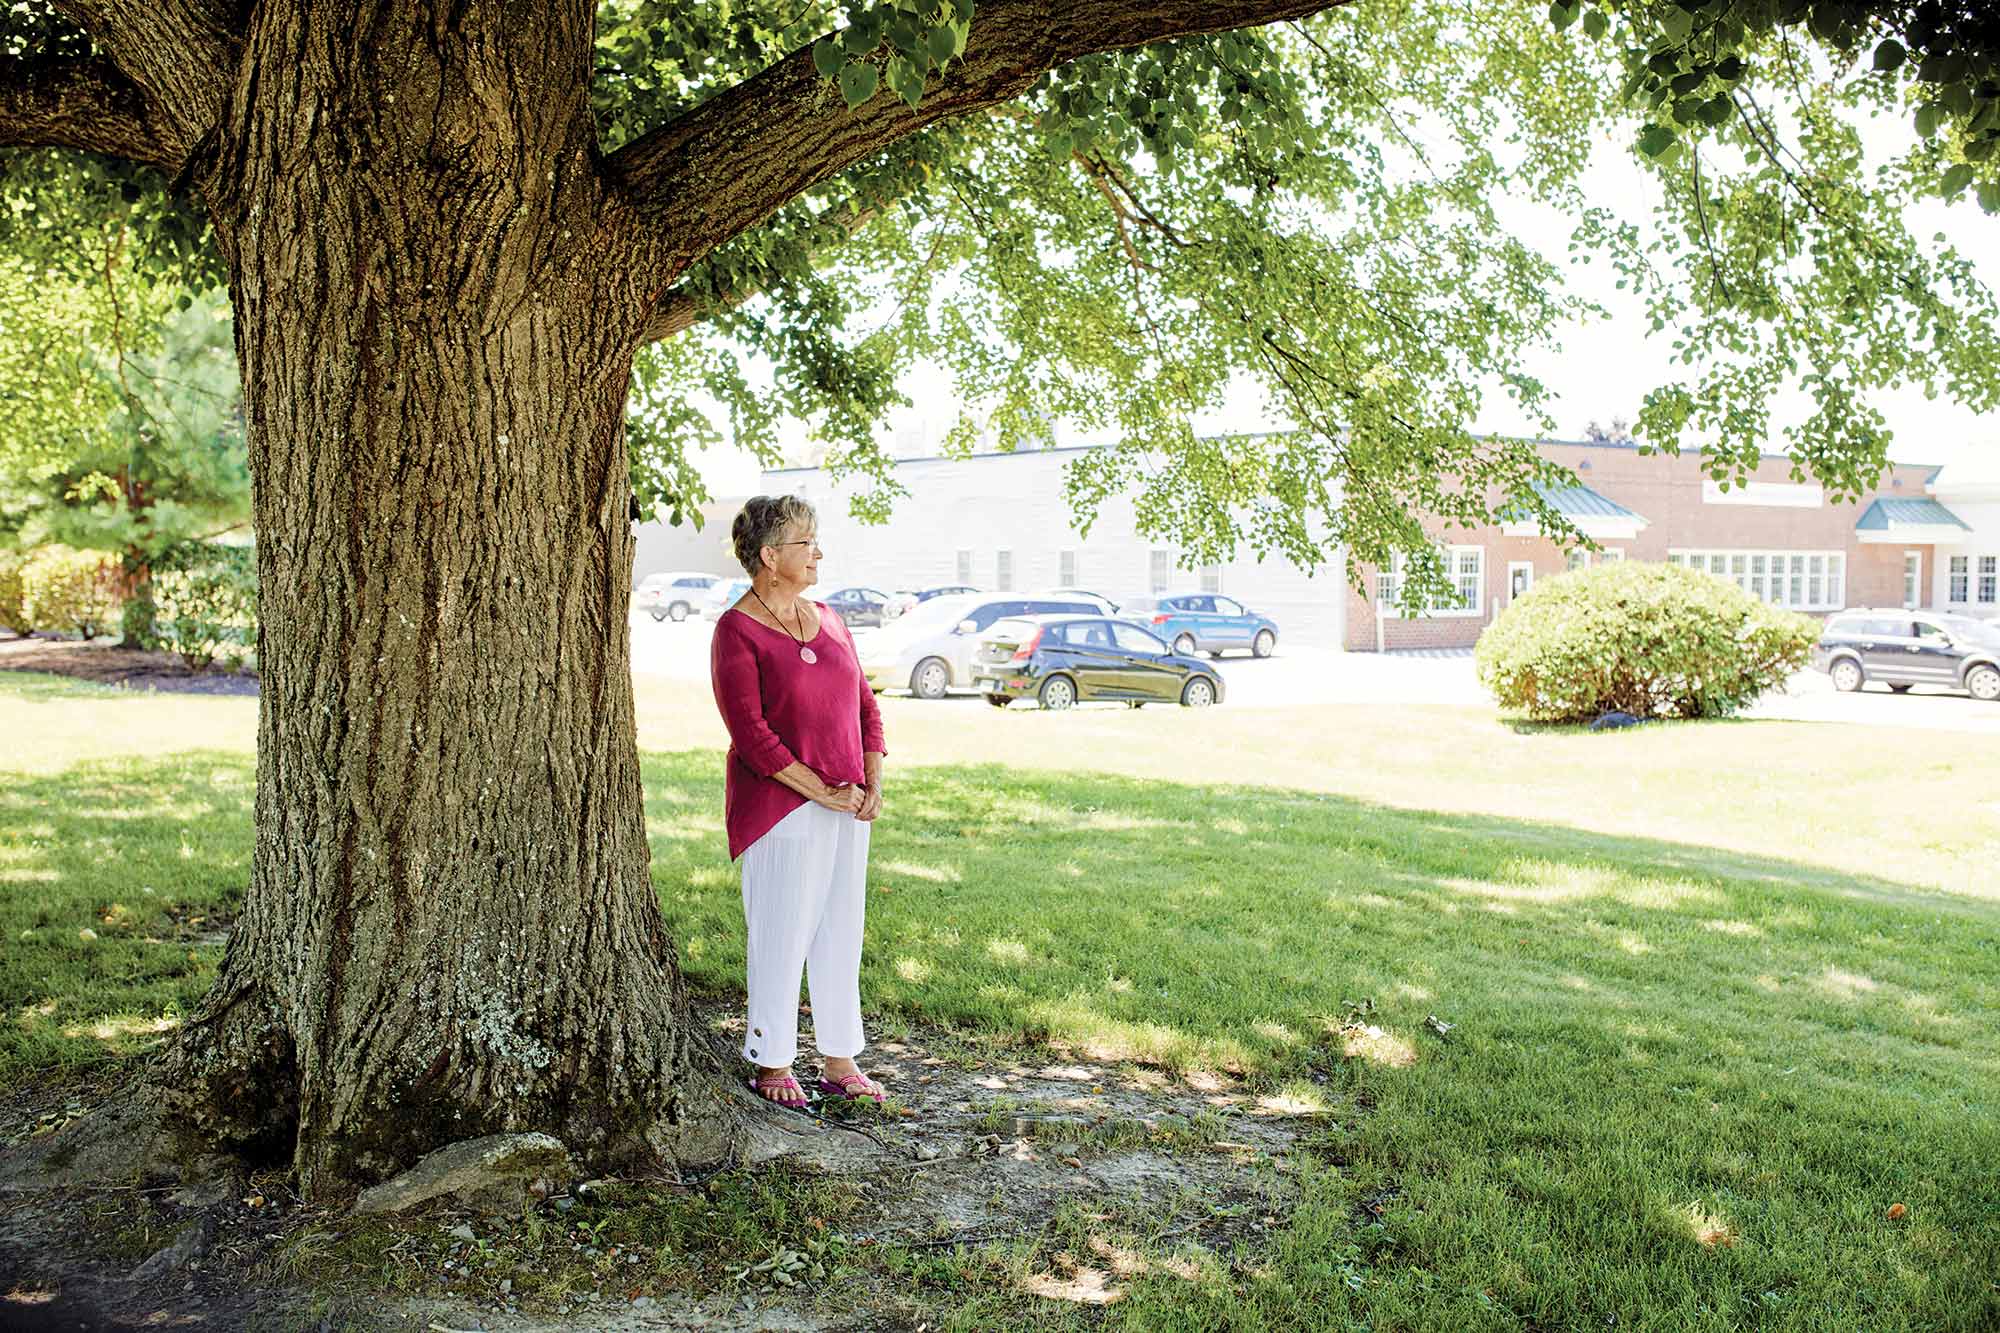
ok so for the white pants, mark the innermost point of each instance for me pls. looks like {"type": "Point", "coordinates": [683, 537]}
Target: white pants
{"type": "Point", "coordinates": [804, 887]}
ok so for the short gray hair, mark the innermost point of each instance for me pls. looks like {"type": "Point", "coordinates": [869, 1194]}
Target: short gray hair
{"type": "Point", "coordinates": [763, 518]}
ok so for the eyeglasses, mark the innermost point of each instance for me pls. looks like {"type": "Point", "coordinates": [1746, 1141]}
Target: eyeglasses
{"type": "Point", "coordinates": [809, 541]}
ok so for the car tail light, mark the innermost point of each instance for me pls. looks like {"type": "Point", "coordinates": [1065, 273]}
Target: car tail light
{"type": "Point", "coordinates": [1027, 650]}
{"type": "Point", "coordinates": [1162, 618]}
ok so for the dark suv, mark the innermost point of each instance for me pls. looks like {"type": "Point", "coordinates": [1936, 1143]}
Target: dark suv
{"type": "Point", "coordinates": [1905, 648]}
{"type": "Point", "coordinates": [1060, 660]}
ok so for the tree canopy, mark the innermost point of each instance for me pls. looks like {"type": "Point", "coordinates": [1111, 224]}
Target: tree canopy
{"type": "Point", "coordinates": [1308, 204]}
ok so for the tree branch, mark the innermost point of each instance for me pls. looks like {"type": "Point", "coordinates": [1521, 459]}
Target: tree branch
{"type": "Point", "coordinates": [680, 309]}
{"type": "Point", "coordinates": [181, 53]}
{"type": "Point", "coordinates": [728, 164]}
{"type": "Point", "coordinates": [80, 103]}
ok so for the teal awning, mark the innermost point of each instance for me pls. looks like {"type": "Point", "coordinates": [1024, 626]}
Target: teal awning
{"type": "Point", "coordinates": [1900, 515]}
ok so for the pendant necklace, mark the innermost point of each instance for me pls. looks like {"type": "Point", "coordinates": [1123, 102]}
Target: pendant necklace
{"type": "Point", "coordinates": [806, 655]}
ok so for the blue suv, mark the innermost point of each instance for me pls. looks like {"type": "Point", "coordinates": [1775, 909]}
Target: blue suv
{"type": "Point", "coordinates": [1205, 622]}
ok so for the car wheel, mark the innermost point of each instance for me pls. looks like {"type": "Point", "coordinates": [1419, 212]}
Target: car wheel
{"type": "Point", "coordinates": [1264, 644]}
{"type": "Point", "coordinates": [657, 614]}
{"type": "Point", "coordinates": [1900, 689]}
{"type": "Point", "coordinates": [1847, 675]}
{"type": "Point", "coordinates": [1135, 703]}
{"type": "Point", "coordinates": [1984, 682]}
{"type": "Point", "coordinates": [1184, 645]}
{"type": "Point", "coordinates": [998, 700]}
{"type": "Point", "coordinates": [1058, 692]}
{"type": "Point", "coordinates": [930, 678]}
{"type": "Point", "coordinates": [679, 611]}
{"type": "Point", "coordinates": [1198, 693]}
{"type": "Point", "coordinates": [1215, 655]}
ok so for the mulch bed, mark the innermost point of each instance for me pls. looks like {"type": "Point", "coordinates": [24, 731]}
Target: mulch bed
{"type": "Point", "coordinates": [103, 662]}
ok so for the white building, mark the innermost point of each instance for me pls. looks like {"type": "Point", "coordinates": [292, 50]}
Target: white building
{"type": "Point", "coordinates": [1000, 522]}
{"type": "Point", "coordinates": [1966, 577]}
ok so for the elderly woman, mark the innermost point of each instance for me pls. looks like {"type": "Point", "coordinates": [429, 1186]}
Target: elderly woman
{"type": "Point", "coordinates": [804, 785]}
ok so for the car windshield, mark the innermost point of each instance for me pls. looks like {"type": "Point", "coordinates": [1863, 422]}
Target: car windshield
{"type": "Point", "coordinates": [1967, 630]}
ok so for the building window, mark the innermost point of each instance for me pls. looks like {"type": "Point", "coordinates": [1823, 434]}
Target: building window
{"type": "Point", "coordinates": [1211, 578]}
{"type": "Point", "coordinates": [965, 567]}
{"type": "Point", "coordinates": [1066, 576]}
{"type": "Point", "coordinates": [1913, 578]}
{"type": "Point", "coordinates": [1003, 570]}
{"type": "Point", "coordinates": [1960, 580]}
{"type": "Point", "coordinates": [1578, 559]}
{"type": "Point", "coordinates": [1611, 555]}
{"type": "Point", "coordinates": [1162, 570]}
{"type": "Point", "coordinates": [1989, 577]}
{"type": "Point", "coordinates": [1802, 580]}
{"type": "Point", "coordinates": [1465, 566]}
{"type": "Point", "coordinates": [1389, 581]}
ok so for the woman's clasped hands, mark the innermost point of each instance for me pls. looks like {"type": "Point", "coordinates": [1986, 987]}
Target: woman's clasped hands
{"type": "Point", "coordinates": [852, 798]}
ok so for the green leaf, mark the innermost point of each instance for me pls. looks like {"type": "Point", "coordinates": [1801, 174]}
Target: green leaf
{"type": "Point", "coordinates": [1677, 24]}
{"type": "Point", "coordinates": [943, 43]}
{"type": "Point", "coordinates": [1730, 69]}
{"type": "Point", "coordinates": [858, 83]}
{"type": "Point", "coordinates": [1890, 55]}
{"type": "Point", "coordinates": [1715, 110]}
{"type": "Point", "coordinates": [1595, 24]}
{"type": "Point", "coordinates": [906, 77]}
{"type": "Point", "coordinates": [1655, 140]}
{"type": "Point", "coordinates": [1927, 119]}
{"type": "Point", "coordinates": [1989, 196]}
{"type": "Point", "coordinates": [1562, 13]}
{"type": "Point", "coordinates": [828, 57]}
{"type": "Point", "coordinates": [963, 8]}
{"type": "Point", "coordinates": [1955, 180]}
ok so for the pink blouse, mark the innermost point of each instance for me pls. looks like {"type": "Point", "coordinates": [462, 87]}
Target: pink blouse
{"type": "Point", "coordinates": [779, 709]}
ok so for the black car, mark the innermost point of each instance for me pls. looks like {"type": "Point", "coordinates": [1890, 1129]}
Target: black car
{"type": "Point", "coordinates": [859, 606]}
{"type": "Point", "coordinates": [1905, 648]}
{"type": "Point", "coordinates": [1061, 660]}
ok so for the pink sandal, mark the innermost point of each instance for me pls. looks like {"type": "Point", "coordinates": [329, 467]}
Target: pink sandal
{"type": "Point", "coordinates": [845, 1088]}
{"type": "Point", "coordinates": [760, 1083]}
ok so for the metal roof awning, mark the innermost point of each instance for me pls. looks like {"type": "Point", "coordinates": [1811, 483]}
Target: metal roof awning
{"type": "Point", "coordinates": [1596, 516]}
{"type": "Point", "coordinates": [1896, 521]}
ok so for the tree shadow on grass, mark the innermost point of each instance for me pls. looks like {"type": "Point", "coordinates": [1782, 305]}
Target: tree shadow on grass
{"type": "Point", "coordinates": [115, 879]}
{"type": "Point", "coordinates": [1600, 1067]}
{"type": "Point", "coordinates": [1053, 903]}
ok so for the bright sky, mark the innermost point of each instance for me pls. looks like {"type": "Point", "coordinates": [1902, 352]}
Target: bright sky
{"type": "Point", "coordinates": [1603, 368]}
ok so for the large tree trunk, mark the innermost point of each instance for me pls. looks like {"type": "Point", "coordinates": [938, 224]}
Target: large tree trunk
{"type": "Point", "coordinates": [450, 928]}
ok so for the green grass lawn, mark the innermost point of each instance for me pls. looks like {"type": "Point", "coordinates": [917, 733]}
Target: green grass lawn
{"type": "Point", "coordinates": [1717, 1003]}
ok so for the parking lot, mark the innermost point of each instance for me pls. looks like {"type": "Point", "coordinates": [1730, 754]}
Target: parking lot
{"type": "Point", "coordinates": [1305, 676]}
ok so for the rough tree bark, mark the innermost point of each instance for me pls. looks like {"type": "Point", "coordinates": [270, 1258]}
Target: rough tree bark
{"type": "Point", "coordinates": [439, 287]}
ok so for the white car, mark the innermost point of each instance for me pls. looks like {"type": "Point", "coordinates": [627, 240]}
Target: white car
{"type": "Point", "coordinates": [722, 596]}
{"type": "Point", "coordinates": [675, 594]}
{"type": "Point", "coordinates": [928, 649]}
{"type": "Point", "coordinates": [1103, 605]}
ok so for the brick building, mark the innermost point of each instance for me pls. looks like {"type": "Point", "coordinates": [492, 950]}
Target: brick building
{"type": "Point", "coordinates": [1781, 540]}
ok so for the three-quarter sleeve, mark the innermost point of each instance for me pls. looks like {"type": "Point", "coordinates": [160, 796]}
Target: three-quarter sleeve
{"type": "Point", "coordinates": [871, 712]}
{"type": "Point", "coordinates": [871, 722]}
{"type": "Point", "coordinates": [733, 672]}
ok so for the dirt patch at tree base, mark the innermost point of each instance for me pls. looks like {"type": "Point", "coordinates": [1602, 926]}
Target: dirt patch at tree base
{"type": "Point", "coordinates": [1029, 1174]}
{"type": "Point", "coordinates": [103, 662]}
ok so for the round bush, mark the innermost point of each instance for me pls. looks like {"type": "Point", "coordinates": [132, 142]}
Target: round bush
{"type": "Point", "coordinates": [14, 593]}
{"type": "Point", "coordinates": [1645, 639]}
{"type": "Point", "coordinates": [71, 590]}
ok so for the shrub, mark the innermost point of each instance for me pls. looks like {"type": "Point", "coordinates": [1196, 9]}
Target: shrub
{"type": "Point", "coordinates": [207, 603]}
{"type": "Point", "coordinates": [67, 589]}
{"type": "Point", "coordinates": [13, 593]}
{"type": "Point", "coordinates": [1645, 639]}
